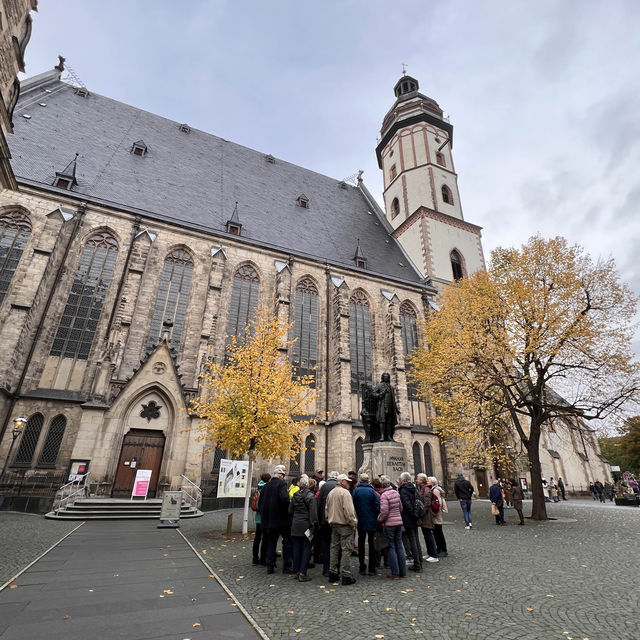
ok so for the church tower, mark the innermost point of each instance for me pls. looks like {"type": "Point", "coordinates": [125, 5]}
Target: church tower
{"type": "Point", "coordinates": [421, 197]}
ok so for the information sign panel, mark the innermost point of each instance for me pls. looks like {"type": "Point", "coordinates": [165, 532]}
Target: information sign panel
{"type": "Point", "coordinates": [232, 481]}
{"type": "Point", "coordinates": [141, 484]}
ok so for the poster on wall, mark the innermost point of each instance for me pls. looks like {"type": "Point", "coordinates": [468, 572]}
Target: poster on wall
{"type": "Point", "coordinates": [77, 470]}
{"type": "Point", "coordinates": [232, 481]}
{"type": "Point", "coordinates": [141, 484]}
{"type": "Point", "coordinates": [523, 484]}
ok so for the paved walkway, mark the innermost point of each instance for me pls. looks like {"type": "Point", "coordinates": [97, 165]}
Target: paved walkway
{"type": "Point", "coordinates": [124, 579]}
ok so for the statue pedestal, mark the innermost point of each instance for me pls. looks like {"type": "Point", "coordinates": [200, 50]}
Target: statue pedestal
{"type": "Point", "coordinates": [384, 458]}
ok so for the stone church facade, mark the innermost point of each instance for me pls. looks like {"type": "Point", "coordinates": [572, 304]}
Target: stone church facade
{"type": "Point", "coordinates": [134, 246]}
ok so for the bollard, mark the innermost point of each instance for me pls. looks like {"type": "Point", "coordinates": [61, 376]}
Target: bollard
{"type": "Point", "coordinates": [229, 524]}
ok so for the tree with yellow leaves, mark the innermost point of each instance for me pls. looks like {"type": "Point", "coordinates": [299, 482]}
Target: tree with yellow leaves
{"type": "Point", "coordinates": [254, 404]}
{"type": "Point", "coordinates": [544, 334]}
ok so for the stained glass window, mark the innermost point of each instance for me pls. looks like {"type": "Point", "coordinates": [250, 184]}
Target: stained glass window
{"type": "Point", "coordinates": [244, 299]}
{"type": "Point", "coordinates": [173, 295]}
{"type": "Point", "coordinates": [52, 444]}
{"type": "Point", "coordinates": [417, 459]}
{"type": "Point", "coordinates": [409, 328]}
{"type": "Point", "coordinates": [15, 229]}
{"type": "Point", "coordinates": [305, 348]}
{"type": "Point", "coordinates": [81, 314]}
{"type": "Point", "coordinates": [29, 440]}
{"type": "Point", "coordinates": [359, 340]}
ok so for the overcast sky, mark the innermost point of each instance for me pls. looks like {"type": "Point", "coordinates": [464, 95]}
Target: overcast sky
{"type": "Point", "coordinates": [544, 96]}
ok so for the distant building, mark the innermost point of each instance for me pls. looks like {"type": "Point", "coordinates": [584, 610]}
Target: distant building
{"type": "Point", "coordinates": [15, 31]}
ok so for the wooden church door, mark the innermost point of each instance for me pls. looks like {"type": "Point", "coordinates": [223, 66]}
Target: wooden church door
{"type": "Point", "coordinates": [140, 450]}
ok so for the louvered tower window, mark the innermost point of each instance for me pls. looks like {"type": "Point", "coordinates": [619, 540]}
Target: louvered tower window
{"type": "Point", "coordinates": [305, 348]}
{"type": "Point", "coordinates": [244, 299]}
{"type": "Point", "coordinates": [29, 441]}
{"type": "Point", "coordinates": [359, 340]}
{"type": "Point", "coordinates": [81, 314]}
{"type": "Point", "coordinates": [51, 447]}
{"type": "Point", "coordinates": [409, 328]}
{"type": "Point", "coordinates": [15, 228]}
{"type": "Point", "coordinates": [173, 295]}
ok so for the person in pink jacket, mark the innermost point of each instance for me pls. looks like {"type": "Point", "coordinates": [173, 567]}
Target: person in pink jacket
{"type": "Point", "coordinates": [391, 520]}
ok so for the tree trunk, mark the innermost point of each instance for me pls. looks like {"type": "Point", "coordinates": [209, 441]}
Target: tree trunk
{"type": "Point", "coordinates": [247, 496]}
{"type": "Point", "coordinates": [539, 508]}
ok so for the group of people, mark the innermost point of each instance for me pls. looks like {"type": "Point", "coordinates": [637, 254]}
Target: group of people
{"type": "Point", "coordinates": [552, 490]}
{"type": "Point", "coordinates": [322, 522]}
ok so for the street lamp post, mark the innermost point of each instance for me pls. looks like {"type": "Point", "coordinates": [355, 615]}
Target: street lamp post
{"type": "Point", "coordinates": [18, 426]}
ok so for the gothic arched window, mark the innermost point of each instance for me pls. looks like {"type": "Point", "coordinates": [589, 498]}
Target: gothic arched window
{"type": "Point", "coordinates": [409, 327]}
{"type": "Point", "coordinates": [359, 455]}
{"type": "Point", "coordinates": [417, 459]}
{"type": "Point", "coordinates": [395, 208]}
{"type": "Point", "coordinates": [29, 441]}
{"type": "Point", "coordinates": [79, 320]}
{"type": "Point", "coordinates": [440, 159]}
{"type": "Point", "coordinates": [305, 327]}
{"type": "Point", "coordinates": [310, 455]}
{"type": "Point", "coordinates": [294, 464]}
{"type": "Point", "coordinates": [244, 299]}
{"type": "Point", "coordinates": [447, 196]}
{"type": "Point", "coordinates": [359, 340]}
{"type": "Point", "coordinates": [173, 295]}
{"type": "Point", "coordinates": [456, 265]}
{"type": "Point", "coordinates": [428, 463]}
{"type": "Point", "coordinates": [51, 447]}
{"type": "Point", "coordinates": [15, 228]}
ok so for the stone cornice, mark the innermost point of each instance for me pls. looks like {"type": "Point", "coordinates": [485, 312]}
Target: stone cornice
{"type": "Point", "coordinates": [424, 213]}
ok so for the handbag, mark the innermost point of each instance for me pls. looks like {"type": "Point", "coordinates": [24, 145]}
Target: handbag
{"type": "Point", "coordinates": [380, 542]}
{"type": "Point", "coordinates": [494, 509]}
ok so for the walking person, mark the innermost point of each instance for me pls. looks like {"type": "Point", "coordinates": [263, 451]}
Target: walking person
{"type": "Point", "coordinates": [506, 491]}
{"type": "Point", "coordinates": [495, 495]}
{"type": "Point", "coordinates": [561, 487]}
{"type": "Point", "coordinates": [438, 520]}
{"type": "Point", "coordinates": [553, 490]}
{"type": "Point", "coordinates": [304, 522]}
{"type": "Point", "coordinates": [427, 524]}
{"type": "Point", "coordinates": [408, 497]}
{"type": "Point", "coordinates": [599, 487]}
{"type": "Point", "coordinates": [274, 515]}
{"type": "Point", "coordinates": [518, 496]}
{"type": "Point", "coordinates": [260, 540]}
{"type": "Point", "coordinates": [367, 505]}
{"type": "Point", "coordinates": [390, 518]}
{"type": "Point", "coordinates": [464, 492]}
{"type": "Point", "coordinates": [342, 518]}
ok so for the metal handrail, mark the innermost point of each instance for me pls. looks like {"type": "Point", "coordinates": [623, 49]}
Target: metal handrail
{"type": "Point", "coordinates": [192, 492]}
{"type": "Point", "coordinates": [81, 485]}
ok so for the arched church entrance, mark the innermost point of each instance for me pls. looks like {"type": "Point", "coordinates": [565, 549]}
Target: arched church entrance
{"type": "Point", "coordinates": [141, 449]}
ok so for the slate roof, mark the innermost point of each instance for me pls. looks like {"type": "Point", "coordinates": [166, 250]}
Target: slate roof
{"type": "Point", "coordinates": [194, 178]}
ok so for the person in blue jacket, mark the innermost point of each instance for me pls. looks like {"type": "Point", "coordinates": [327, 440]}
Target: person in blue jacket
{"type": "Point", "coordinates": [495, 495]}
{"type": "Point", "coordinates": [367, 505]}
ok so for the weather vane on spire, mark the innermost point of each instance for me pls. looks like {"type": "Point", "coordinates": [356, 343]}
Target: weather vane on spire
{"type": "Point", "coordinates": [404, 69]}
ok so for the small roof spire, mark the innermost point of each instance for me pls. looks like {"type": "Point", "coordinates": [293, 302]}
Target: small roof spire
{"type": "Point", "coordinates": [234, 225]}
{"type": "Point", "coordinates": [67, 177]}
{"type": "Point", "coordinates": [404, 69]}
{"type": "Point", "coordinates": [359, 257]}
{"type": "Point", "coordinates": [70, 169]}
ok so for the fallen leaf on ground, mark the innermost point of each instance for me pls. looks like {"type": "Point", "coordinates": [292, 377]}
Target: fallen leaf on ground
{"type": "Point", "coordinates": [347, 611]}
{"type": "Point", "coordinates": [549, 595]}
{"type": "Point", "coordinates": [388, 609]}
{"type": "Point", "coordinates": [452, 577]}
{"type": "Point", "coordinates": [408, 590]}
{"type": "Point", "coordinates": [211, 575]}
{"type": "Point", "coordinates": [290, 613]}
{"type": "Point", "coordinates": [13, 586]}
{"type": "Point", "coordinates": [298, 630]}
{"type": "Point", "coordinates": [529, 609]}
{"type": "Point", "coordinates": [196, 624]}
{"type": "Point", "coordinates": [467, 614]}
{"type": "Point", "coordinates": [379, 635]}
{"type": "Point", "coordinates": [167, 591]}
{"type": "Point", "coordinates": [66, 617]}
{"type": "Point", "coordinates": [365, 601]}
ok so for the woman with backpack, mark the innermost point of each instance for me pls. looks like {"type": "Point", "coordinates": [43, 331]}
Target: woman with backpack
{"type": "Point", "coordinates": [391, 520]}
{"type": "Point", "coordinates": [410, 514]}
{"type": "Point", "coordinates": [438, 494]}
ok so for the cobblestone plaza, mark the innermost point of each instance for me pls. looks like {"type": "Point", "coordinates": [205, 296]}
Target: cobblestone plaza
{"type": "Point", "coordinates": [575, 577]}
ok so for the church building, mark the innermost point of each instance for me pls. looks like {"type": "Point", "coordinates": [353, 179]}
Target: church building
{"type": "Point", "coordinates": [135, 246]}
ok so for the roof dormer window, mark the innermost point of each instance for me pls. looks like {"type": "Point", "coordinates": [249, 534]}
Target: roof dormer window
{"type": "Point", "coordinates": [62, 183]}
{"type": "Point", "coordinates": [303, 201]}
{"type": "Point", "coordinates": [185, 128]}
{"type": "Point", "coordinates": [82, 92]}
{"type": "Point", "coordinates": [139, 148]}
{"type": "Point", "coordinates": [270, 159]}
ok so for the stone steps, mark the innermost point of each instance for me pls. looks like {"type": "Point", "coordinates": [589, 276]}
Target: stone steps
{"type": "Point", "coordinates": [117, 509]}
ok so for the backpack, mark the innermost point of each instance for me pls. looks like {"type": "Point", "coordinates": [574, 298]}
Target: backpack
{"type": "Point", "coordinates": [254, 500]}
{"type": "Point", "coordinates": [435, 503]}
{"type": "Point", "coordinates": [418, 508]}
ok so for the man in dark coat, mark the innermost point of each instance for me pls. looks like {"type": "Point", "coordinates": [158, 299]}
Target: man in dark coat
{"type": "Point", "coordinates": [562, 489]}
{"type": "Point", "coordinates": [325, 530]}
{"type": "Point", "coordinates": [387, 411]}
{"type": "Point", "coordinates": [367, 504]}
{"type": "Point", "coordinates": [274, 517]}
{"type": "Point", "coordinates": [464, 490]}
{"type": "Point", "coordinates": [408, 495]}
{"type": "Point", "coordinates": [495, 495]}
